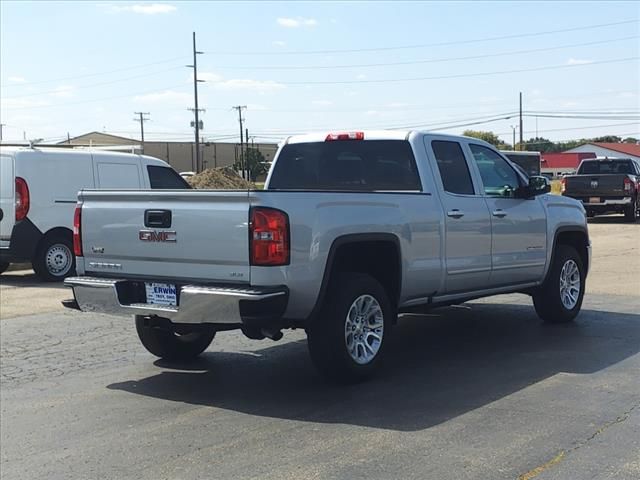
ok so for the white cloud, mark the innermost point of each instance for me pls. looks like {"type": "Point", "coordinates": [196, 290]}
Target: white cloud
{"type": "Point", "coordinates": [256, 106]}
{"type": "Point", "coordinates": [207, 77]}
{"type": "Point", "coordinates": [17, 79]}
{"type": "Point", "coordinates": [143, 8]}
{"type": "Point", "coordinates": [322, 103]}
{"type": "Point", "coordinates": [167, 97]}
{"type": "Point", "coordinates": [488, 99]}
{"type": "Point", "coordinates": [297, 22]}
{"type": "Point", "coordinates": [248, 84]}
{"type": "Point", "coordinates": [397, 105]}
{"type": "Point", "coordinates": [578, 61]}
{"type": "Point", "coordinates": [63, 91]}
{"type": "Point", "coordinates": [279, 43]}
{"type": "Point", "coordinates": [372, 113]}
{"type": "Point", "coordinates": [10, 103]}
{"type": "Point", "coordinates": [361, 76]}
{"type": "Point", "coordinates": [627, 95]}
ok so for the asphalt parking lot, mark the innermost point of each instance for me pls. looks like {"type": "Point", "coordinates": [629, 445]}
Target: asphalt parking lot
{"type": "Point", "coordinates": [480, 391]}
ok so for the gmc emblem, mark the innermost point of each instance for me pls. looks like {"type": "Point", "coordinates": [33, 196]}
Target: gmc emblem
{"type": "Point", "coordinates": [157, 236]}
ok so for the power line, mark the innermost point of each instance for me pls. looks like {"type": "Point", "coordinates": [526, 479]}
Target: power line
{"type": "Point", "coordinates": [96, 74]}
{"type": "Point", "coordinates": [424, 45]}
{"type": "Point", "coordinates": [461, 75]}
{"type": "Point", "coordinates": [147, 92]}
{"type": "Point", "coordinates": [432, 60]}
{"type": "Point", "coordinates": [95, 84]}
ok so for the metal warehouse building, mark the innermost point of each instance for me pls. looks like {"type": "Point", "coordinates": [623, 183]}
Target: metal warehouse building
{"type": "Point", "coordinates": [180, 155]}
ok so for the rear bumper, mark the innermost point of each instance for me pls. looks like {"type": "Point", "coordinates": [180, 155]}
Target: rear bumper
{"type": "Point", "coordinates": [215, 304]}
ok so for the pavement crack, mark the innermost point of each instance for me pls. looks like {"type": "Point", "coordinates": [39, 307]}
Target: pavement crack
{"type": "Point", "coordinates": [534, 472]}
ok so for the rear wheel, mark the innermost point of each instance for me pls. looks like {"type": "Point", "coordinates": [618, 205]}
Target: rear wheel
{"type": "Point", "coordinates": [347, 339]}
{"type": "Point", "coordinates": [559, 299]}
{"type": "Point", "coordinates": [167, 343]}
{"type": "Point", "coordinates": [54, 260]}
{"type": "Point", "coordinates": [632, 212]}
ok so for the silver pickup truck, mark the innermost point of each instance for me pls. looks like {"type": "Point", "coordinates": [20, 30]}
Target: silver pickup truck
{"type": "Point", "coordinates": [351, 230]}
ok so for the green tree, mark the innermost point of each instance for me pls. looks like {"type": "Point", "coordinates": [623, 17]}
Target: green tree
{"type": "Point", "coordinates": [256, 164]}
{"type": "Point", "coordinates": [488, 137]}
{"type": "Point", "coordinates": [607, 139]}
{"type": "Point", "coordinates": [630, 140]}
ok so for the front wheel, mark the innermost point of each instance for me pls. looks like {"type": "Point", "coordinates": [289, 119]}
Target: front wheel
{"type": "Point", "coordinates": [166, 343]}
{"type": "Point", "coordinates": [348, 337]}
{"type": "Point", "coordinates": [559, 299]}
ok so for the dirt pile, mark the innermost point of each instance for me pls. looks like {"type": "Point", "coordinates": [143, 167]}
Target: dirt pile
{"type": "Point", "coordinates": [219, 178]}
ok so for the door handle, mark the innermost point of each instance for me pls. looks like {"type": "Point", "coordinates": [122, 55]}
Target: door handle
{"type": "Point", "coordinates": [455, 213]}
{"type": "Point", "coordinates": [499, 213]}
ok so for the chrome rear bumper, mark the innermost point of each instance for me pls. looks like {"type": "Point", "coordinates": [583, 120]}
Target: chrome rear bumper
{"type": "Point", "coordinates": [197, 303]}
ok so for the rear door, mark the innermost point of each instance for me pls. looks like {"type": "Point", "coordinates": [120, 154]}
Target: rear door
{"type": "Point", "coordinates": [177, 235]}
{"type": "Point", "coordinates": [468, 226]}
{"type": "Point", "coordinates": [7, 198]}
{"type": "Point", "coordinates": [519, 226]}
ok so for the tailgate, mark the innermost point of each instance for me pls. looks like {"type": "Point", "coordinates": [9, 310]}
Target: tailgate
{"type": "Point", "coordinates": [173, 235]}
{"type": "Point", "coordinates": [595, 185]}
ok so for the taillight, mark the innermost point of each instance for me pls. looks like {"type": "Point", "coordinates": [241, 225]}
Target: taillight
{"type": "Point", "coordinates": [628, 185]}
{"type": "Point", "coordinates": [77, 231]}
{"type": "Point", "coordinates": [344, 136]}
{"type": "Point", "coordinates": [563, 185]}
{"type": "Point", "coordinates": [22, 199]}
{"type": "Point", "coordinates": [269, 237]}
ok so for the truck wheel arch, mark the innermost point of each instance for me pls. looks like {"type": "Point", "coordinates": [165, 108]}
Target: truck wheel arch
{"type": "Point", "coordinates": [574, 236]}
{"type": "Point", "coordinates": [356, 247]}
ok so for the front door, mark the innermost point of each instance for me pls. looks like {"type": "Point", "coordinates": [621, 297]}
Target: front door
{"type": "Point", "coordinates": [519, 227]}
{"type": "Point", "coordinates": [467, 221]}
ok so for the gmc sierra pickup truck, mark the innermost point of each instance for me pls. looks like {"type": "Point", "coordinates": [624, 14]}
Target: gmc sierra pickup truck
{"type": "Point", "coordinates": [351, 230]}
{"type": "Point", "coordinates": [606, 185]}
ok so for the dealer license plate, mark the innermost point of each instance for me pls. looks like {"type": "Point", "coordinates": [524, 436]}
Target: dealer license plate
{"type": "Point", "coordinates": [161, 293]}
{"type": "Point", "coordinates": [594, 199]}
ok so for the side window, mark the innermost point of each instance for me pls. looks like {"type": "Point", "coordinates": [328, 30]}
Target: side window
{"type": "Point", "coordinates": [453, 167]}
{"type": "Point", "coordinates": [498, 177]}
{"type": "Point", "coordinates": [118, 175]}
{"type": "Point", "coordinates": [165, 177]}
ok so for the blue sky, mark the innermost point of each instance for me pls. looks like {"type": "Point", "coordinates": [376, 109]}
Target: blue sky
{"type": "Point", "coordinates": [75, 67]}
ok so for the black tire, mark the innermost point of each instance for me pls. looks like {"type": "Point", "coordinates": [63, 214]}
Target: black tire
{"type": "Point", "coordinates": [547, 299]}
{"type": "Point", "coordinates": [3, 267]}
{"type": "Point", "coordinates": [327, 336]}
{"type": "Point", "coordinates": [54, 260]}
{"type": "Point", "coordinates": [166, 344]}
{"type": "Point", "coordinates": [631, 212]}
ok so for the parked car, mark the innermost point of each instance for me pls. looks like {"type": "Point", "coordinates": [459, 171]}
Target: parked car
{"type": "Point", "coordinates": [606, 185]}
{"type": "Point", "coordinates": [351, 230]}
{"type": "Point", "coordinates": [39, 188]}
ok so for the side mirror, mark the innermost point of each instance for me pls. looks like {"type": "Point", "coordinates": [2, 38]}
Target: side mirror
{"type": "Point", "coordinates": [538, 185]}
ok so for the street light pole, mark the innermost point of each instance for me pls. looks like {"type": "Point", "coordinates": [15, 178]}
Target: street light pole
{"type": "Point", "coordinates": [196, 110]}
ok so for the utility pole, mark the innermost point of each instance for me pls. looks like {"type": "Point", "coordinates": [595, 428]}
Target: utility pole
{"type": "Point", "coordinates": [240, 119]}
{"type": "Point", "coordinates": [196, 125]}
{"type": "Point", "coordinates": [513, 129]}
{"type": "Point", "coordinates": [521, 121]}
{"type": "Point", "coordinates": [1, 125]}
{"type": "Point", "coordinates": [141, 118]}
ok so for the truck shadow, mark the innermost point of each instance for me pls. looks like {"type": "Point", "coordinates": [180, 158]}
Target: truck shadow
{"type": "Point", "coordinates": [26, 279]}
{"type": "Point", "coordinates": [438, 368]}
{"type": "Point", "coordinates": [610, 219]}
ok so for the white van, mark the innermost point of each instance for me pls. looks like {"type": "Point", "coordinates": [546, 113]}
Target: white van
{"type": "Point", "coordinates": [38, 191]}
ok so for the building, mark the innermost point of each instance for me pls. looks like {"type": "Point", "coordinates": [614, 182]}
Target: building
{"type": "Point", "coordinates": [180, 155]}
{"type": "Point", "coordinates": [626, 150]}
{"type": "Point", "coordinates": [558, 164]}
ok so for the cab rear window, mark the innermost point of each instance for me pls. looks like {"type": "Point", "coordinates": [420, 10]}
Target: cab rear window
{"type": "Point", "coordinates": [603, 167]}
{"type": "Point", "coordinates": [347, 165]}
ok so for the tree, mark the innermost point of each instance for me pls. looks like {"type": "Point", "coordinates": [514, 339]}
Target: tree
{"type": "Point", "coordinates": [488, 137]}
{"type": "Point", "coordinates": [630, 140]}
{"type": "Point", "coordinates": [607, 139]}
{"type": "Point", "coordinates": [256, 163]}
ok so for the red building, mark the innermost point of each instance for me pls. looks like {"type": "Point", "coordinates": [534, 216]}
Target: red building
{"type": "Point", "coordinates": [557, 164]}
